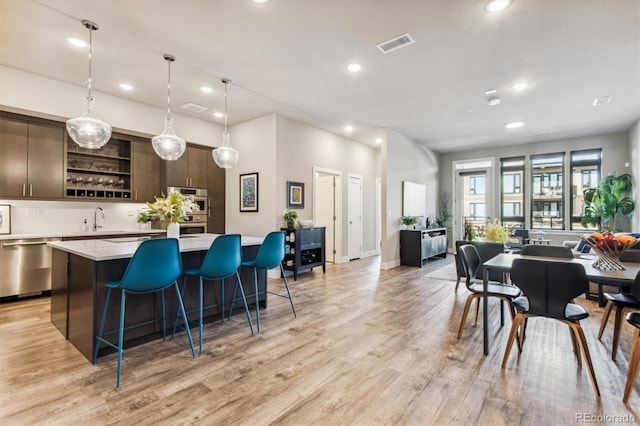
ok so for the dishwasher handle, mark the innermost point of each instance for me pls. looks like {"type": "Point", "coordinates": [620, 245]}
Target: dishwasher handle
{"type": "Point", "coordinates": [26, 243]}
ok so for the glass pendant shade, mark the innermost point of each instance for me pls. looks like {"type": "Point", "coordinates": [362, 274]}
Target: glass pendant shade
{"type": "Point", "coordinates": [225, 157]}
{"type": "Point", "coordinates": [167, 145]}
{"type": "Point", "coordinates": [89, 131]}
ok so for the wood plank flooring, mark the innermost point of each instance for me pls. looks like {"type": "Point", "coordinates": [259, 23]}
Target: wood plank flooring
{"type": "Point", "coordinates": [368, 347]}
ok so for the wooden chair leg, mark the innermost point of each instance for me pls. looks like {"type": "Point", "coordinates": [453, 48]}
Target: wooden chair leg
{"type": "Point", "coordinates": [634, 366]}
{"type": "Point", "coordinates": [616, 332]}
{"type": "Point", "coordinates": [605, 318]}
{"type": "Point", "coordinates": [465, 312]}
{"type": "Point", "coordinates": [512, 312]}
{"type": "Point", "coordinates": [457, 283]}
{"type": "Point", "coordinates": [475, 321]}
{"type": "Point", "coordinates": [512, 334]}
{"type": "Point", "coordinates": [582, 341]}
{"type": "Point", "coordinates": [576, 347]}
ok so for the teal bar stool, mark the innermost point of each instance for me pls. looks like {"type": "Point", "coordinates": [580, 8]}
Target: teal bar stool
{"type": "Point", "coordinates": [155, 266]}
{"type": "Point", "coordinates": [221, 261]}
{"type": "Point", "coordinates": [270, 255]}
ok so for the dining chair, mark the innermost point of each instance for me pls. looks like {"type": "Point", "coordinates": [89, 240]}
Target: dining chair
{"type": "Point", "coordinates": [559, 252]}
{"type": "Point", "coordinates": [154, 267]}
{"type": "Point", "coordinates": [222, 261]}
{"type": "Point", "coordinates": [270, 255]}
{"type": "Point", "coordinates": [633, 318]}
{"type": "Point", "coordinates": [486, 251]}
{"type": "Point", "coordinates": [506, 293]}
{"type": "Point", "coordinates": [549, 287]}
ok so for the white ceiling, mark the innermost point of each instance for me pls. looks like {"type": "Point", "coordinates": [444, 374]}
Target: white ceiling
{"type": "Point", "coordinates": [290, 57]}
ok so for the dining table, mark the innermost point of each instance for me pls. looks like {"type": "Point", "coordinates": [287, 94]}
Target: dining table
{"type": "Point", "coordinates": [503, 261]}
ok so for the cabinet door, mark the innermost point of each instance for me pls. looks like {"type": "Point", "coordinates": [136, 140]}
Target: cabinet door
{"type": "Point", "coordinates": [177, 171]}
{"type": "Point", "coordinates": [198, 160]}
{"type": "Point", "coordinates": [216, 188]}
{"type": "Point", "coordinates": [45, 161]}
{"type": "Point", "coordinates": [13, 157]}
{"type": "Point", "coordinates": [146, 172]}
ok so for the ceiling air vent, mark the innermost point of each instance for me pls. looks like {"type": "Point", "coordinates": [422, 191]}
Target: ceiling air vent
{"type": "Point", "coordinates": [396, 43]}
{"type": "Point", "coordinates": [190, 106]}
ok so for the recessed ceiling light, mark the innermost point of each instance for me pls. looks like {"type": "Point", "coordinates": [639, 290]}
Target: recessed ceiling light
{"type": "Point", "coordinates": [514, 125]}
{"type": "Point", "coordinates": [494, 100]}
{"type": "Point", "coordinates": [125, 86]}
{"type": "Point", "coordinates": [378, 141]}
{"type": "Point", "coordinates": [520, 86]}
{"type": "Point", "coordinates": [206, 89]}
{"type": "Point", "coordinates": [218, 114]}
{"type": "Point", "coordinates": [77, 42]}
{"type": "Point", "coordinates": [490, 92]}
{"type": "Point", "coordinates": [348, 128]}
{"type": "Point", "coordinates": [496, 5]}
{"type": "Point", "coordinates": [354, 67]}
{"type": "Point", "coordinates": [261, 1]}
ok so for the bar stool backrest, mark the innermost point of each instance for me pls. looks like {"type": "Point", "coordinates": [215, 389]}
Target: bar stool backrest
{"type": "Point", "coordinates": [271, 252]}
{"type": "Point", "coordinates": [223, 258]}
{"type": "Point", "coordinates": [155, 264]}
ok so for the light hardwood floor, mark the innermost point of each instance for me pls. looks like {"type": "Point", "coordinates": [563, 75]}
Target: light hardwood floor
{"type": "Point", "coordinates": [368, 347]}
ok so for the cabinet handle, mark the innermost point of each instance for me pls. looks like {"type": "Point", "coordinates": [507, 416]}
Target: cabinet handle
{"type": "Point", "coordinates": [24, 189]}
{"type": "Point", "coordinates": [186, 181]}
{"type": "Point", "coordinates": [136, 191]}
{"type": "Point", "coordinates": [30, 190]}
{"type": "Point", "coordinates": [209, 213]}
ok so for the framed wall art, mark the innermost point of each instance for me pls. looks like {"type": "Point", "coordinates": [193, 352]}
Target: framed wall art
{"type": "Point", "coordinates": [249, 192]}
{"type": "Point", "coordinates": [295, 195]}
{"type": "Point", "coordinates": [5, 219]}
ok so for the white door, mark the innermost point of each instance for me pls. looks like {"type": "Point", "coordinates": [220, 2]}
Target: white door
{"type": "Point", "coordinates": [354, 216]}
{"type": "Point", "coordinates": [325, 211]}
{"type": "Point", "coordinates": [474, 193]}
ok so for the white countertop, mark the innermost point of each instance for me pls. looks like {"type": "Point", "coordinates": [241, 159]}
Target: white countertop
{"type": "Point", "coordinates": [76, 234]}
{"type": "Point", "coordinates": [123, 248]}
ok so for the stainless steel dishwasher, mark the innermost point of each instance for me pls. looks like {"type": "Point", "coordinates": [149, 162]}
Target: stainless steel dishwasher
{"type": "Point", "coordinates": [25, 266]}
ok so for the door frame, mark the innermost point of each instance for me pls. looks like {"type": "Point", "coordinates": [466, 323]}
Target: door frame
{"type": "Point", "coordinates": [337, 238]}
{"type": "Point", "coordinates": [359, 204]}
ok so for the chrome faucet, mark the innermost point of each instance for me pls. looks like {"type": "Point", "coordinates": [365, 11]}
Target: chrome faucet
{"type": "Point", "coordinates": [95, 217]}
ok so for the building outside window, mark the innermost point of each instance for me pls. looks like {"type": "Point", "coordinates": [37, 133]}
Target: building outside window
{"type": "Point", "coordinates": [512, 192]}
{"type": "Point", "coordinates": [477, 185]}
{"type": "Point", "coordinates": [477, 211]}
{"type": "Point", "coordinates": [547, 207]}
{"type": "Point", "coordinates": [585, 173]}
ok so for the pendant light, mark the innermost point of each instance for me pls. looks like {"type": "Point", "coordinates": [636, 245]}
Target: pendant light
{"type": "Point", "coordinates": [89, 131]}
{"type": "Point", "coordinates": [167, 145]}
{"type": "Point", "coordinates": [225, 156]}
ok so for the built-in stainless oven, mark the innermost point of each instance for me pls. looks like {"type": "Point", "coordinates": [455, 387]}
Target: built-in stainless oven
{"type": "Point", "coordinates": [199, 197]}
{"type": "Point", "coordinates": [194, 224]}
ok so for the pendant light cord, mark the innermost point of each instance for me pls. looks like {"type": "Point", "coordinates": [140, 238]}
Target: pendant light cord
{"type": "Point", "coordinates": [90, 56]}
{"type": "Point", "coordinates": [226, 84]}
{"type": "Point", "coordinates": [169, 90]}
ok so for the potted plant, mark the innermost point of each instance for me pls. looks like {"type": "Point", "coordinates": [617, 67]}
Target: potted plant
{"type": "Point", "coordinates": [408, 220]}
{"type": "Point", "coordinates": [602, 204]}
{"type": "Point", "coordinates": [496, 232]}
{"type": "Point", "coordinates": [443, 219]}
{"type": "Point", "coordinates": [290, 216]}
{"type": "Point", "coordinates": [145, 218]}
{"type": "Point", "coordinates": [469, 232]}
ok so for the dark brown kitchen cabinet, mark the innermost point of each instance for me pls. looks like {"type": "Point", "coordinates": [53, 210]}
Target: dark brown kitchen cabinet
{"type": "Point", "coordinates": [190, 170]}
{"type": "Point", "coordinates": [31, 158]}
{"type": "Point", "coordinates": [145, 172]}
{"type": "Point", "coordinates": [216, 188]}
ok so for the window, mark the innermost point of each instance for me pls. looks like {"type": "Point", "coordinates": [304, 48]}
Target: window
{"type": "Point", "coordinates": [512, 193]}
{"type": "Point", "coordinates": [477, 211]}
{"type": "Point", "coordinates": [547, 172]}
{"type": "Point", "coordinates": [477, 185]}
{"type": "Point", "coordinates": [585, 173]}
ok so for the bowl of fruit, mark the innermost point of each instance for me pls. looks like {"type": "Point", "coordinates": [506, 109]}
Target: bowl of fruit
{"type": "Point", "coordinates": [608, 247]}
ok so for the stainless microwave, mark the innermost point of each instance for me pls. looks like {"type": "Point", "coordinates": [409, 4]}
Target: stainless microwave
{"type": "Point", "coordinates": [199, 197]}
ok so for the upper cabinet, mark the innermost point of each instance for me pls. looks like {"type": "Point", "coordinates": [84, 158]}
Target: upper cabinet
{"type": "Point", "coordinates": [216, 203]}
{"type": "Point", "coordinates": [190, 170]}
{"type": "Point", "coordinates": [99, 173]}
{"type": "Point", "coordinates": [145, 173]}
{"type": "Point", "coordinates": [31, 158]}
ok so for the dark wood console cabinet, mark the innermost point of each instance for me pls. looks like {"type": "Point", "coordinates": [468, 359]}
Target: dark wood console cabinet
{"type": "Point", "coordinates": [304, 249]}
{"type": "Point", "coordinates": [420, 244]}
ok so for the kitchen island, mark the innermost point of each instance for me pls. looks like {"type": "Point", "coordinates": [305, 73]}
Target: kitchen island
{"type": "Point", "coordinates": [81, 268]}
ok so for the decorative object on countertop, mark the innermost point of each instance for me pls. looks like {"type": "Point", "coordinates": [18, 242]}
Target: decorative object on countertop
{"type": "Point", "coordinates": [290, 216]}
{"type": "Point", "coordinates": [608, 247]}
{"type": "Point", "coordinates": [144, 219]}
{"type": "Point", "coordinates": [305, 223]}
{"type": "Point", "coordinates": [295, 195]}
{"type": "Point", "coordinates": [408, 221]}
{"type": "Point", "coordinates": [167, 145]}
{"type": "Point", "coordinates": [172, 209]}
{"type": "Point", "coordinates": [89, 131]}
{"type": "Point", "coordinates": [225, 157]}
{"type": "Point", "coordinates": [495, 232]}
{"type": "Point", "coordinates": [5, 219]}
{"type": "Point", "coordinates": [602, 204]}
{"type": "Point", "coordinates": [249, 192]}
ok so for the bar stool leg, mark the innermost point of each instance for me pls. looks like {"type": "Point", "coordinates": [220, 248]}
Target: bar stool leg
{"type": "Point", "coordinates": [121, 337]}
{"type": "Point", "coordinates": [255, 285]}
{"type": "Point", "coordinates": [101, 329]}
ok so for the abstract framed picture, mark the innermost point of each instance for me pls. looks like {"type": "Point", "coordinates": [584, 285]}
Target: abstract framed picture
{"type": "Point", "coordinates": [295, 195]}
{"type": "Point", "coordinates": [249, 192]}
{"type": "Point", "coordinates": [5, 219]}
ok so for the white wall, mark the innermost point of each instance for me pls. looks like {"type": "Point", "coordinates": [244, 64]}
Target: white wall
{"type": "Point", "coordinates": [44, 97]}
{"type": "Point", "coordinates": [403, 159]}
{"type": "Point", "coordinates": [301, 147]}
{"type": "Point", "coordinates": [634, 156]}
{"type": "Point", "coordinates": [255, 140]}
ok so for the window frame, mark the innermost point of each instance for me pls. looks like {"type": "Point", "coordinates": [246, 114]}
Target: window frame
{"type": "Point", "coordinates": [574, 221]}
